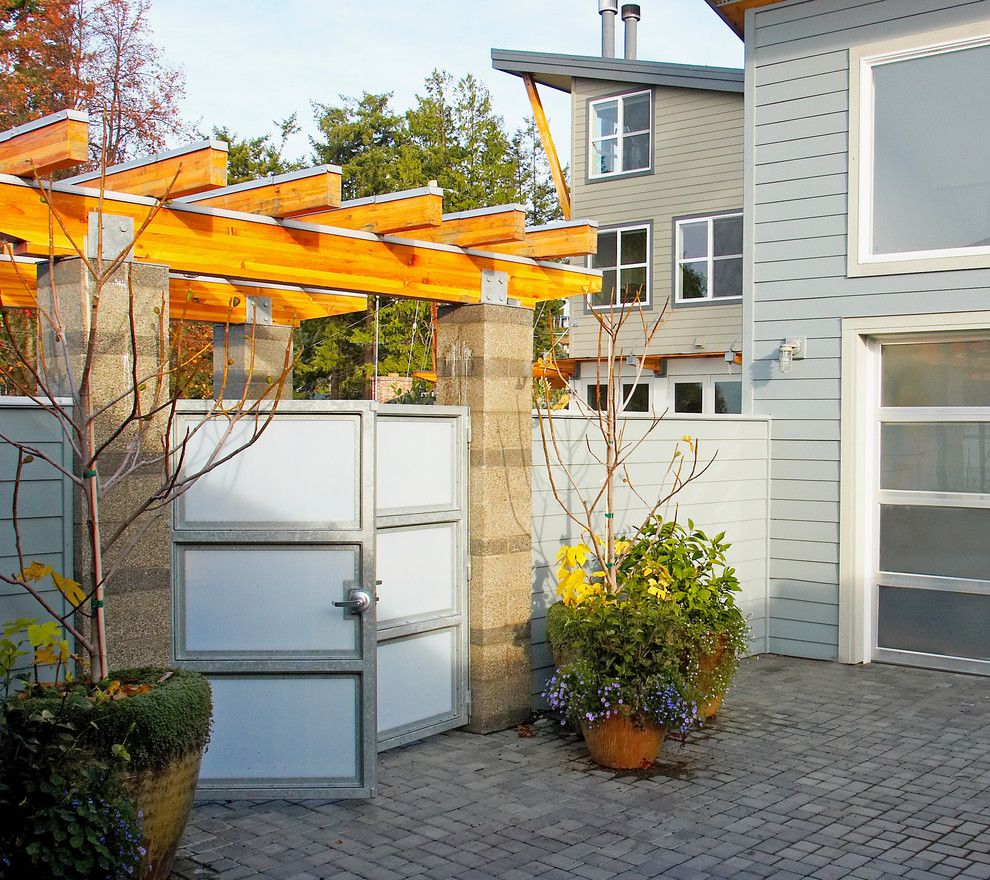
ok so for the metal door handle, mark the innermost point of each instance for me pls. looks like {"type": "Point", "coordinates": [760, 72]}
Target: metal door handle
{"type": "Point", "coordinates": [357, 600]}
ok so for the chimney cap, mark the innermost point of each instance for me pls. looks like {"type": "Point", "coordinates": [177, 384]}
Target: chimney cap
{"type": "Point", "coordinates": [631, 10]}
{"type": "Point", "coordinates": [608, 6]}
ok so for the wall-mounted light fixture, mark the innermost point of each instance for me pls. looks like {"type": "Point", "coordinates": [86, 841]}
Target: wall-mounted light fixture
{"type": "Point", "coordinates": [791, 350]}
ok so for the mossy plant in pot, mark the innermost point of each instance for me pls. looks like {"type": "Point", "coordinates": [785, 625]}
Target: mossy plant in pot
{"type": "Point", "coordinates": [697, 579]}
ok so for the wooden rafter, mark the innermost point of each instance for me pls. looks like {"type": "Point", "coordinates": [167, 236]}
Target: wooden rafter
{"type": "Point", "coordinates": [480, 228]}
{"type": "Point", "coordinates": [46, 145]}
{"type": "Point", "coordinates": [201, 166]}
{"type": "Point", "coordinates": [570, 238]}
{"type": "Point", "coordinates": [546, 138]}
{"type": "Point", "coordinates": [284, 195]}
{"type": "Point", "coordinates": [198, 240]}
{"type": "Point", "coordinates": [733, 12]}
{"type": "Point", "coordinates": [199, 298]}
{"type": "Point", "coordinates": [390, 214]}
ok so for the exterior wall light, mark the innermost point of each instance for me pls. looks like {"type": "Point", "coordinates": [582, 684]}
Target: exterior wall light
{"type": "Point", "coordinates": [791, 350]}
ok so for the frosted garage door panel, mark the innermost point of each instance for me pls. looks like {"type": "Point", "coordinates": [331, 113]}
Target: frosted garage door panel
{"type": "Point", "coordinates": [253, 600]}
{"type": "Point", "coordinates": [948, 373]}
{"type": "Point", "coordinates": [416, 568]}
{"type": "Point", "coordinates": [415, 464]}
{"type": "Point", "coordinates": [940, 541]}
{"type": "Point", "coordinates": [934, 622]}
{"type": "Point", "coordinates": [416, 679]}
{"type": "Point", "coordinates": [299, 471]}
{"type": "Point", "coordinates": [292, 727]}
{"type": "Point", "coordinates": [935, 457]}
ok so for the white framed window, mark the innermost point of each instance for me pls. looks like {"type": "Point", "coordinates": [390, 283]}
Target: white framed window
{"type": "Point", "coordinates": [919, 194]}
{"type": "Point", "coordinates": [621, 134]}
{"type": "Point", "coordinates": [708, 258]}
{"type": "Point", "coordinates": [719, 394]}
{"type": "Point", "coordinates": [624, 258]}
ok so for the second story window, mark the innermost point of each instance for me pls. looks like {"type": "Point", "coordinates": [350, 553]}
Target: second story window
{"type": "Point", "coordinates": [709, 258]}
{"type": "Point", "coordinates": [624, 258]}
{"type": "Point", "coordinates": [621, 129]}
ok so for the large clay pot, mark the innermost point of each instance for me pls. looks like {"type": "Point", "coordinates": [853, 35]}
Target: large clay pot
{"type": "Point", "coordinates": [165, 797]}
{"type": "Point", "coordinates": [707, 666]}
{"type": "Point", "coordinates": [623, 744]}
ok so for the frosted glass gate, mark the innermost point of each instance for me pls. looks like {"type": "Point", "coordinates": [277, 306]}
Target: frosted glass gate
{"type": "Point", "coordinates": [271, 552]}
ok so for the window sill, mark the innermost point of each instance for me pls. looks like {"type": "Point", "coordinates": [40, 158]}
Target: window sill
{"type": "Point", "coordinates": [918, 263]}
{"type": "Point", "coordinates": [695, 303]}
{"type": "Point", "coordinates": [625, 175]}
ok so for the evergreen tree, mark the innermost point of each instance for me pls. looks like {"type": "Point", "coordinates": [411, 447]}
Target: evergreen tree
{"type": "Point", "coordinates": [254, 157]}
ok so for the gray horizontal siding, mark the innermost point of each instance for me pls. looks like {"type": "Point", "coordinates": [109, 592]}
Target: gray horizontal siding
{"type": "Point", "coordinates": [799, 51]}
{"type": "Point", "coordinates": [730, 497]}
{"type": "Point", "coordinates": [697, 158]}
{"type": "Point", "coordinates": [44, 509]}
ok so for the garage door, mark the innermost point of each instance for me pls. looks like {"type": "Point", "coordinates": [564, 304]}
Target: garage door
{"type": "Point", "coordinates": [931, 596]}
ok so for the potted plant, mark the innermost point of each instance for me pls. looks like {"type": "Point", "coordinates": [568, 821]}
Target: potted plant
{"type": "Point", "coordinates": [690, 570]}
{"type": "Point", "coordinates": [98, 778]}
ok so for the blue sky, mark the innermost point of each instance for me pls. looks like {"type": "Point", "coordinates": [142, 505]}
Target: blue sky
{"type": "Point", "coordinates": [249, 62]}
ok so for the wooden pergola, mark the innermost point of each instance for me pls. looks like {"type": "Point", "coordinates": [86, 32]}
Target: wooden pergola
{"type": "Point", "coordinates": [289, 238]}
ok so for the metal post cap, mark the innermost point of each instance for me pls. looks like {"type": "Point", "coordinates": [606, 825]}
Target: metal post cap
{"type": "Point", "coordinates": [608, 6]}
{"type": "Point", "coordinates": [631, 10]}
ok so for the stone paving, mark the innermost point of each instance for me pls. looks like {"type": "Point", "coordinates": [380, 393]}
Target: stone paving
{"type": "Point", "coordinates": [811, 770]}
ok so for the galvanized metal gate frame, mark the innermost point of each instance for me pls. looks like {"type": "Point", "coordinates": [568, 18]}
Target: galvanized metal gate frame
{"type": "Point", "coordinates": [363, 666]}
{"type": "Point", "coordinates": [457, 617]}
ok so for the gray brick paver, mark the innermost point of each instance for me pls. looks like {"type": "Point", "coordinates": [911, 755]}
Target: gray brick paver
{"type": "Point", "coordinates": [812, 770]}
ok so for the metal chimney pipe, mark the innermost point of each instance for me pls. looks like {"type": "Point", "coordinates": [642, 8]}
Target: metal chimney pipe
{"type": "Point", "coordinates": [631, 16]}
{"type": "Point", "coordinates": [608, 9]}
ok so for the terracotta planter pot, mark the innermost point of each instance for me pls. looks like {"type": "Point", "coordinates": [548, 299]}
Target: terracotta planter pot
{"type": "Point", "coordinates": [707, 666]}
{"type": "Point", "coordinates": [165, 797]}
{"type": "Point", "coordinates": [621, 744]}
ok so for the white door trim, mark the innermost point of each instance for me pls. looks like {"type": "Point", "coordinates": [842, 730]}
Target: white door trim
{"type": "Point", "coordinates": [861, 339]}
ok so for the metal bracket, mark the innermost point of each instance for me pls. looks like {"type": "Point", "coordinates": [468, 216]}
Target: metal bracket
{"type": "Point", "coordinates": [258, 310]}
{"type": "Point", "coordinates": [494, 287]}
{"type": "Point", "coordinates": [118, 235]}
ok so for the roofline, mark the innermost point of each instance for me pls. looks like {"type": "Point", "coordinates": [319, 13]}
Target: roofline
{"type": "Point", "coordinates": [550, 69]}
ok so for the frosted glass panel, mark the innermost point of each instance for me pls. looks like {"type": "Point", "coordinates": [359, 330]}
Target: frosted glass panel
{"type": "Point", "coordinates": [416, 570]}
{"type": "Point", "coordinates": [945, 457]}
{"type": "Point", "coordinates": [931, 178]}
{"type": "Point", "coordinates": [289, 727]}
{"type": "Point", "coordinates": [415, 463]}
{"type": "Point", "coordinates": [299, 471]}
{"type": "Point", "coordinates": [937, 374]}
{"type": "Point", "coordinates": [250, 600]}
{"type": "Point", "coordinates": [933, 622]}
{"type": "Point", "coordinates": [941, 541]}
{"type": "Point", "coordinates": [415, 679]}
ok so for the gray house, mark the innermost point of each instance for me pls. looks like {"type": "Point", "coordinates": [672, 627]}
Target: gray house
{"type": "Point", "coordinates": [866, 315]}
{"type": "Point", "coordinates": [657, 160]}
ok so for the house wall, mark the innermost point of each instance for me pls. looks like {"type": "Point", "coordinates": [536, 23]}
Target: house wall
{"type": "Point", "coordinates": [44, 505]}
{"type": "Point", "coordinates": [797, 190]}
{"type": "Point", "coordinates": [731, 496]}
{"type": "Point", "coordinates": [697, 167]}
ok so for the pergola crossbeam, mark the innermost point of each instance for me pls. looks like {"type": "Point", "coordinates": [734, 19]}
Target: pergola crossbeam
{"type": "Point", "coordinates": [479, 228]}
{"type": "Point", "coordinates": [390, 214]}
{"type": "Point", "coordinates": [554, 240]}
{"type": "Point", "coordinates": [283, 195]}
{"type": "Point", "coordinates": [200, 166]}
{"type": "Point", "coordinates": [193, 239]}
{"type": "Point", "coordinates": [52, 143]}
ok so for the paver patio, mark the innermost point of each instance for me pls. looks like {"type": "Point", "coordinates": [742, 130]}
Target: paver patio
{"type": "Point", "coordinates": [812, 770]}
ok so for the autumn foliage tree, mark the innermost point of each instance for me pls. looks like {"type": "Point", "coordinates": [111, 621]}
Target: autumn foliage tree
{"type": "Point", "coordinates": [94, 55]}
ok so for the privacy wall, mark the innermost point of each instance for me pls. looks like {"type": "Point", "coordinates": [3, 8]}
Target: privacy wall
{"type": "Point", "coordinates": [732, 496]}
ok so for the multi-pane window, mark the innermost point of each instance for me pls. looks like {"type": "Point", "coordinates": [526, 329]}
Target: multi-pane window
{"type": "Point", "coordinates": [709, 254]}
{"type": "Point", "coordinates": [636, 398]}
{"type": "Point", "coordinates": [621, 130]}
{"type": "Point", "coordinates": [624, 258]}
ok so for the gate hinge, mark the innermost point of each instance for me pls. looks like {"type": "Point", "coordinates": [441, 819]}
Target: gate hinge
{"type": "Point", "coordinates": [469, 433]}
{"type": "Point", "coordinates": [467, 702]}
{"type": "Point", "coordinates": [469, 570]}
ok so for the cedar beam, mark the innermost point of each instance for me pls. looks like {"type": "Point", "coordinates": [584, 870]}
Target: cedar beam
{"type": "Point", "coordinates": [543, 127]}
{"type": "Point", "coordinates": [52, 143]}
{"type": "Point", "coordinates": [284, 195]}
{"type": "Point", "coordinates": [390, 214]}
{"type": "Point", "coordinates": [480, 228]}
{"type": "Point", "coordinates": [209, 241]}
{"type": "Point", "coordinates": [568, 239]}
{"type": "Point", "coordinates": [200, 166]}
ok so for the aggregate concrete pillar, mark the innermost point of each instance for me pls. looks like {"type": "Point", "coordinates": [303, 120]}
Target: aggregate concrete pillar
{"type": "Point", "coordinates": [138, 599]}
{"type": "Point", "coordinates": [253, 353]}
{"type": "Point", "coordinates": [485, 362]}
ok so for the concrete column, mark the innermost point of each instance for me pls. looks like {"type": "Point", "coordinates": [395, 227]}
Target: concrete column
{"type": "Point", "coordinates": [485, 363]}
{"type": "Point", "coordinates": [138, 599]}
{"type": "Point", "coordinates": [253, 353]}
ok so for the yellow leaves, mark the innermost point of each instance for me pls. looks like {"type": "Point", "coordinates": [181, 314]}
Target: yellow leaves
{"type": "Point", "coordinates": [72, 590]}
{"type": "Point", "coordinates": [621, 547]}
{"type": "Point", "coordinates": [574, 555]}
{"type": "Point", "coordinates": [689, 440]}
{"type": "Point", "coordinates": [36, 571]}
